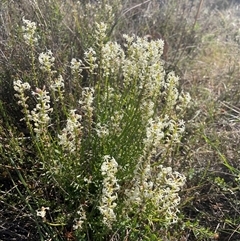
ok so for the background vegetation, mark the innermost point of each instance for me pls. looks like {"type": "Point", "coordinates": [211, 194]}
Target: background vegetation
{"type": "Point", "coordinates": [201, 46]}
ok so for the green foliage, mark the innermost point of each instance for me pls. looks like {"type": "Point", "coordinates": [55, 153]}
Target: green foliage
{"type": "Point", "coordinates": [93, 143]}
{"type": "Point", "coordinates": [104, 157]}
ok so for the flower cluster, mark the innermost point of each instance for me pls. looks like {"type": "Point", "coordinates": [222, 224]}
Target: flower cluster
{"type": "Point", "coordinates": [71, 135]}
{"type": "Point", "coordinates": [171, 91]}
{"type": "Point", "coordinates": [57, 85]}
{"type": "Point", "coordinates": [86, 103]}
{"type": "Point", "coordinates": [144, 65]}
{"type": "Point", "coordinates": [40, 114]}
{"type": "Point", "coordinates": [46, 61]}
{"type": "Point", "coordinates": [82, 218]}
{"type": "Point", "coordinates": [20, 88]}
{"type": "Point", "coordinates": [91, 59]}
{"type": "Point", "coordinates": [42, 212]}
{"type": "Point", "coordinates": [29, 32]}
{"type": "Point", "coordinates": [184, 101]}
{"type": "Point", "coordinates": [110, 187]}
{"type": "Point", "coordinates": [155, 191]}
{"type": "Point", "coordinates": [112, 58]}
{"type": "Point", "coordinates": [100, 31]}
{"type": "Point", "coordinates": [154, 134]}
{"type": "Point", "coordinates": [175, 131]}
{"type": "Point", "coordinates": [76, 66]}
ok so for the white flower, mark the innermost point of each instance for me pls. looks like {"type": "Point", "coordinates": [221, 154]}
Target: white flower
{"type": "Point", "coordinates": [101, 30]}
{"type": "Point", "coordinates": [76, 66]}
{"type": "Point", "coordinates": [58, 84]}
{"type": "Point", "coordinates": [40, 114]}
{"type": "Point", "coordinates": [91, 59]}
{"type": "Point", "coordinates": [42, 212]}
{"type": "Point", "coordinates": [82, 217]}
{"type": "Point", "coordinates": [112, 58]}
{"type": "Point", "coordinates": [20, 88]}
{"type": "Point", "coordinates": [86, 103]}
{"type": "Point", "coordinates": [157, 185]}
{"type": "Point", "coordinates": [70, 138]}
{"type": "Point", "coordinates": [154, 134]}
{"type": "Point", "coordinates": [110, 187]}
{"type": "Point", "coordinates": [171, 93]}
{"type": "Point", "coordinates": [46, 60]}
{"type": "Point", "coordinates": [29, 32]}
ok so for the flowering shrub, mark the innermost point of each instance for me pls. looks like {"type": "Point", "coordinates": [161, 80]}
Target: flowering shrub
{"type": "Point", "coordinates": [107, 145]}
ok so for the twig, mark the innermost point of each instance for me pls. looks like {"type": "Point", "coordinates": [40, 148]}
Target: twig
{"type": "Point", "coordinates": [197, 14]}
